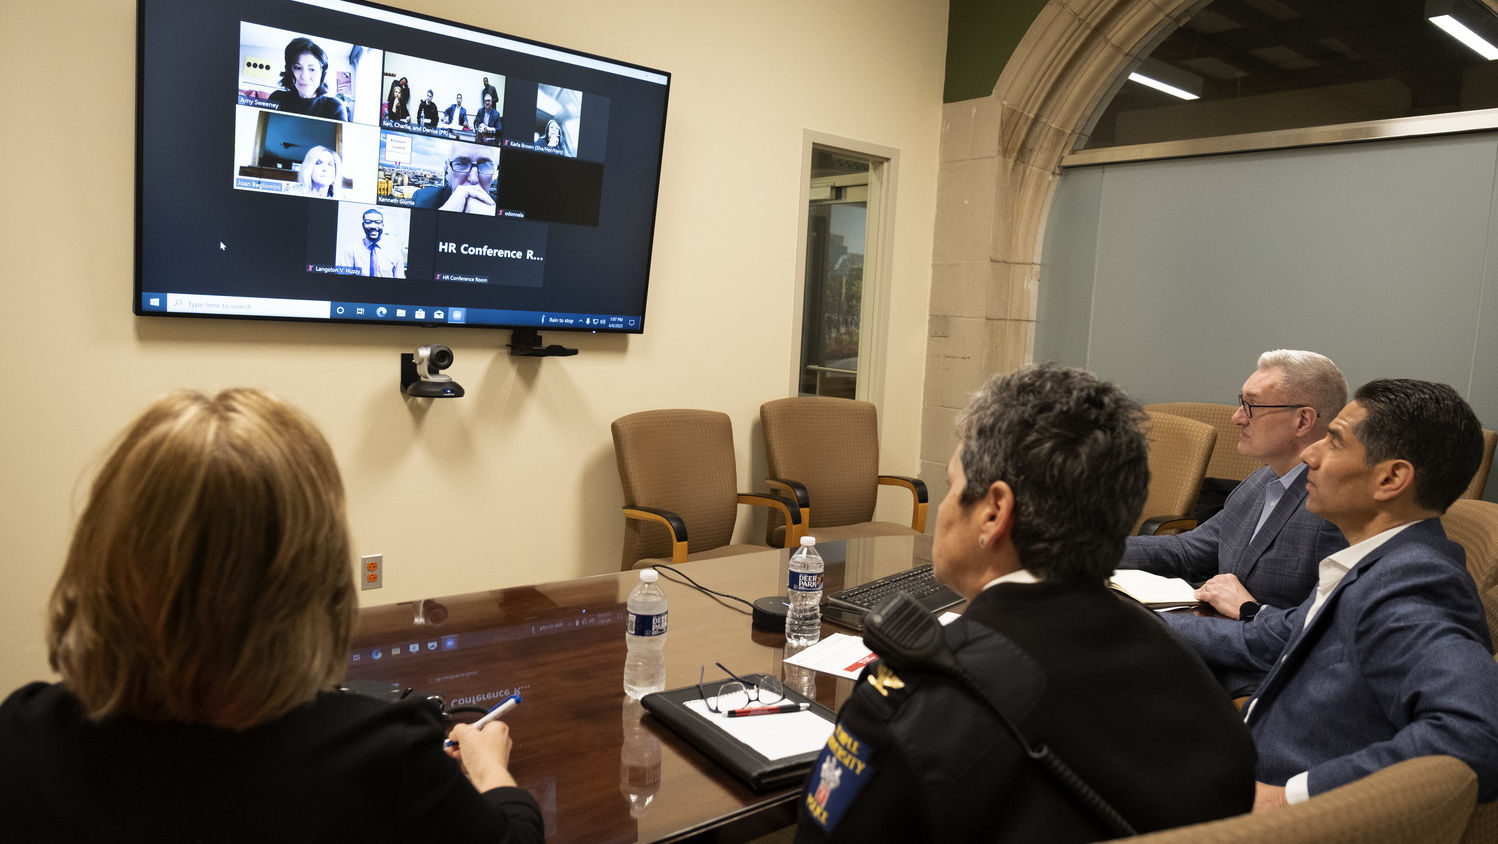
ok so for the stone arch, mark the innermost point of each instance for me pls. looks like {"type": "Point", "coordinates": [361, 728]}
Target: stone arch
{"type": "Point", "coordinates": [1001, 159]}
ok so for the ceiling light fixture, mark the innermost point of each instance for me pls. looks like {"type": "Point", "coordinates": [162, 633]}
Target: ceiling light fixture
{"type": "Point", "coordinates": [1456, 29]}
{"type": "Point", "coordinates": [1161, 86]}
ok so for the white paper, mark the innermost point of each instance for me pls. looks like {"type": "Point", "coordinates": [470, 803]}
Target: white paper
{"type": "Point", "coordinates": [772, 736]}
{"type": "Point", "coordinates": [838, 654]}
{"type": "Point", "coordinates": [1150, 588]}
{"type": "Point", "coordinates": [842, 655]}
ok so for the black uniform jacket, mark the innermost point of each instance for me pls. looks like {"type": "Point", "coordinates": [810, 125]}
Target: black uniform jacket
{"type": "Point", "coordinates": [1104, 684]}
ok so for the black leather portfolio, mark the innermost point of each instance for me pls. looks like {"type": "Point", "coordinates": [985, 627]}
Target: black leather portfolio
{"type": "Point", "coordinates": [708, 735]}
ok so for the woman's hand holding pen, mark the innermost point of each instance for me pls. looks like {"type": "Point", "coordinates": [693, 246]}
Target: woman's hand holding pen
{"type": "Point", "coordinates": [484, 753]}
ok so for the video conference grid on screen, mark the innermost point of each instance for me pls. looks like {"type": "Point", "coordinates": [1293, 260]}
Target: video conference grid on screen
{"type": "Point", "coordinates": [480, 188]}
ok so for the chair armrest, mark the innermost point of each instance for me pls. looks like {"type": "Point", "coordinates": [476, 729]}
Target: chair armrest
{"type": "Point", "coordinates": [797, 492]}
{"type": "Point", "coordinates": [673, 523]}
{"type": "Point", "coordinates": [1166, 525]}
{"type": "Point", "coordinates": [788, 511]}
{"type": "Point", "coordinates": [917, 489]}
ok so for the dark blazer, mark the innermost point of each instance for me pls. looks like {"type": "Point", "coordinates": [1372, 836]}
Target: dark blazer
{"type": "Point", "coordinates": [1396, 664]}
{"type": "Point", "coordinates": [1097, 680]}
{"type": "Point", "coordinates": [1278, 566]}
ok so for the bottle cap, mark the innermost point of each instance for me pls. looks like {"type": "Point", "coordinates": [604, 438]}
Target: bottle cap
{"type": "Point", "coordinates": [649, 575]}
{"type": "Point", "coordinates": [808, 541]}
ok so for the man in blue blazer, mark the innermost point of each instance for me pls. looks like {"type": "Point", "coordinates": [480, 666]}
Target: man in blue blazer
{"type": "Point", "coordinates": [1262, 548]}
{"type": "Point", "coordinates": [1389, 658]}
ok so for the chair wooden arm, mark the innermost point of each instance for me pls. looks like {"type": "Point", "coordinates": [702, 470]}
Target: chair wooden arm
{"type": "Point", "coordinates": [797, 491]}
{"type": "Point", "coordinates": [1166, 525]}
{"type": "Point", "coordinates": [917, 489]}
{"type": "Point", "coordinates": [788, 511]}
{"type": "Point", "coordinates": [673, 523]}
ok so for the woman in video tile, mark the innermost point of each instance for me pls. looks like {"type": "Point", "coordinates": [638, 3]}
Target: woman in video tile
{"type": "Point", "coordinates": [201, 627]}
{"type": "Point", "coordinates": [396, 107]}
{"type": "Point", "coordinates": [553, 139]}
{"type": "Point", "coordinates": [320, 174]}
{"type": "Point", "coordinates": [304, 83]}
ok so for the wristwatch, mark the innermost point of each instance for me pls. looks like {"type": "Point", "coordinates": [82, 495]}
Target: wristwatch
{"type": "Point", "coordinates": [1248, 610]}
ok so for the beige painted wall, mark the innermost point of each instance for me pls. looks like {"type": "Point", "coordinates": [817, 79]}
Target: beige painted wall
{"type": "Point", "coordinates": [516, 482]}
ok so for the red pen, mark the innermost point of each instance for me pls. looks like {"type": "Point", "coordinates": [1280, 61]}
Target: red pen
{"type": "Point", "coordinates": [768, 710]}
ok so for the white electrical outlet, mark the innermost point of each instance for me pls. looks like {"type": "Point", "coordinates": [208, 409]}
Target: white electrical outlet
{"type": "Point", "coordinates": [372, 571]}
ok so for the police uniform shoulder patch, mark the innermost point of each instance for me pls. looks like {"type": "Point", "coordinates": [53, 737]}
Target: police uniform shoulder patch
{"type": "Point", "coordinates": [845, 766]}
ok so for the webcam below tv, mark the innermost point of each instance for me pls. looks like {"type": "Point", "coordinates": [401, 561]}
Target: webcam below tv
{"type": "Point", "coordinates": [331, 161]}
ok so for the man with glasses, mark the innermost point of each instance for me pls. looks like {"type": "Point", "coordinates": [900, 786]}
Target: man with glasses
{"type": "Point", "coordinates": [487, 121]}
{"type": "Point", "coordinates": [1049, 474]}
{"type": "Point", "coordinates": [1263, 547]}
{"type": "Point", "coordinates": [470, 173]}
{"type": "Point", "coordinates": [1389, 658]}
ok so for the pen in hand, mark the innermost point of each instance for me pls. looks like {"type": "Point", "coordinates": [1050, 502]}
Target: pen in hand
{"type": "Point", "coordinates": [504, 706]}
{"type": "Point", "coordinates": [777, 709]}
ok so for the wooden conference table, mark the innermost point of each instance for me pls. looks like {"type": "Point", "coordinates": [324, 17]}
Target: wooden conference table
{"type": "Point", "coordinates": [602, 770]}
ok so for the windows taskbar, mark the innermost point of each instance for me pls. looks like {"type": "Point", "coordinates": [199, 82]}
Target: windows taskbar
{"type": "Point", "coordinates": [198, 304]}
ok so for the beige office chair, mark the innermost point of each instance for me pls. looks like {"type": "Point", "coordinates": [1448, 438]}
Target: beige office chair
{"type": "Point", "coordinates": [1227, 468]}
{"type": "Point", "coordinates": [1226, 462]}
{"type": "Point", "coordinates": [1179, 450]}
{"type": "Point", "coordinates": [1473, 525]}
{"type": "Point", "coordinates": [1480, 480]}
{"type": "Point", "coordinates": [1426, 800]}
{"type": "Point", "coordinates": [825, 452]}
{"type": "Point", "coordinates": [677, 469]}
{"type": "Point", "coordinates": [1483, 827]}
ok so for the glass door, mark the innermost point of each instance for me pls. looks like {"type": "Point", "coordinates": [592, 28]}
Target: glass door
{"type": "Point", "coordinates": [833, 316]}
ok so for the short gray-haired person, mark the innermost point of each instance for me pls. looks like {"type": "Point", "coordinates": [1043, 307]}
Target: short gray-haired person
{"type": "Point", "coordinates": [1049, 475]}
{"type": "Point", "coordinates": [1263, 547]}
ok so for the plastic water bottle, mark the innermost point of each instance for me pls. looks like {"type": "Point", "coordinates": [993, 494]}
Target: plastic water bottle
{"type": "Point", "coordinates": [803, 621]}
{"type": "Point", "coordinates": [645, 636]}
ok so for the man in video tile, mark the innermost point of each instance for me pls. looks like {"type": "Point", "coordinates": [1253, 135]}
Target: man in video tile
{"type": "Point", "coordinates": [370, 255]}
{"type": "Point", "coordinates": [426, 112]}
{"type": "Point", "coordinates": [489, 91]}
{"type": "Point", "coordinates": [304, 82]}
{"type": "Point", "coordinates": [470, 173]}
{"type": "Point", "coordinates": [486, 121]}
{"type": "Point", "coordinates": [455, 114]}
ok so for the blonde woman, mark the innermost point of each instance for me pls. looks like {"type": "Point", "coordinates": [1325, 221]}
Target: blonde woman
{"type": "Point", "coordinates": [321, 174]}
{"type": "Point", "coordinates": [200, 625]}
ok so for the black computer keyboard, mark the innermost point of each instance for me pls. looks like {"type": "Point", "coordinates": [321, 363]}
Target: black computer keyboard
{"type": "Point", "coordinates": [919, 582]}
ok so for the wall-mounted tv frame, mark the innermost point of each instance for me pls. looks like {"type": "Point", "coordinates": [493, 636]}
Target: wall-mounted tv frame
{"type": "Point", "coordinates": [336, 161]}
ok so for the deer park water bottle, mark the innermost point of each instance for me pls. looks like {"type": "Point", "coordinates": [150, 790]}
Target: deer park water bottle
{"type": "Point", "coordinates": [803, 620]}
{"type": "Point", "coordinates": [645, 637]}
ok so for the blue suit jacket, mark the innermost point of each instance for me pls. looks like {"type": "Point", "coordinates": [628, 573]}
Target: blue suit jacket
{"type": "Point", "coordinates": [1278, 566]}
{"type": "Point", "coordinates": [1396, 664]}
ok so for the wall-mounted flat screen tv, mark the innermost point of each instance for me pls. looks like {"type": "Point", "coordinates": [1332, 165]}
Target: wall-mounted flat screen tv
{"type": "Point", "coordinates": [349, 162]}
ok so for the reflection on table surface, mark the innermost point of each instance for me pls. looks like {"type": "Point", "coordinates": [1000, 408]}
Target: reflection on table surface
{"type": "Point", "coordinates": [603, 771]}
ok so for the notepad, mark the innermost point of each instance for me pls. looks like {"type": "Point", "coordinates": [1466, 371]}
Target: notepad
{"type": "Point", "coordinates": [774, 737]}
{"type": "Point", "coordinates": [1152, 590]}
